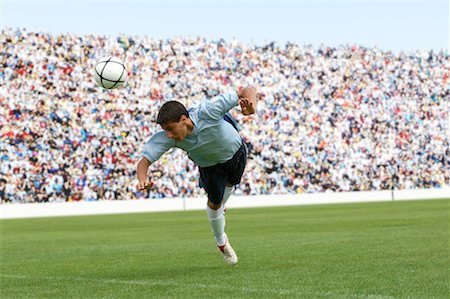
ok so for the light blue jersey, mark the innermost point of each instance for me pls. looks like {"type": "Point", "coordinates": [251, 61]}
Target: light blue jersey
{"type": "Point", "coordinates": [213, 140]}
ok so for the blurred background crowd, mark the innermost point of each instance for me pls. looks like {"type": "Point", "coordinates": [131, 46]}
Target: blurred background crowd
{"type": "Point", "coordinates": [329, 119]}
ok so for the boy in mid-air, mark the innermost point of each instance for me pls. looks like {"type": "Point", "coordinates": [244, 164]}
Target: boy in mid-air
{"type": "Point", "coordinates": [209, 136]}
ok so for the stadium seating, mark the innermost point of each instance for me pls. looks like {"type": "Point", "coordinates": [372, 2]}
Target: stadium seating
{"type": "Point", "coordinates": [329, 119]}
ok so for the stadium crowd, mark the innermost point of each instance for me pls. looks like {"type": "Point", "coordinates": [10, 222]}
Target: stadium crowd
{"type": "Point", "coordinates": [329, 118]}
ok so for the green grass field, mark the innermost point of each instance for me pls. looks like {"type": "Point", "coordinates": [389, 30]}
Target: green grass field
{"type": "Point", "coordinates": [365, 250]}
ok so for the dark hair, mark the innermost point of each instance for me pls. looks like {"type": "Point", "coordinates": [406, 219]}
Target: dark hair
{"type": "Point", "coordinates": [171, 111]}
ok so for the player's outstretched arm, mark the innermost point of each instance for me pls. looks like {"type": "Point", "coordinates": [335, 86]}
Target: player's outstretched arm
{"type": "Point", "coordinates": [247, 100]}
{"type": "Point", "coordinates": [142, 169]}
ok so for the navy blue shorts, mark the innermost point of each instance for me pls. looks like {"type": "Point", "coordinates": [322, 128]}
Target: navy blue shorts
{"type": "Point", "coordinates": [215, 178]}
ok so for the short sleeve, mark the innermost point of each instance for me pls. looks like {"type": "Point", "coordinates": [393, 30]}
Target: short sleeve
{"type": "Point", "coordinates": [157, 145]}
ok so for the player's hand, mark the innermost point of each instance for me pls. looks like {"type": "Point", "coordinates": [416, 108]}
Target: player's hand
{"type": "Point", "coordinates": [246, 106]}
{"type": "Point", "coordinates": [144, 185]}
{"type": "Point", "coordinates": [247, 100]}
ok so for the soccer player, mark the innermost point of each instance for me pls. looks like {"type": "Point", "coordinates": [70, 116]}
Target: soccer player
{"type": "Point", "coordinates": [209, 135]}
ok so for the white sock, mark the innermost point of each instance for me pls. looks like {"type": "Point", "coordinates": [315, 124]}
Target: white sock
{"type": "Point", "coordinates": [227, 194]}
{"type": "Point", "coordinates": [217, 222]}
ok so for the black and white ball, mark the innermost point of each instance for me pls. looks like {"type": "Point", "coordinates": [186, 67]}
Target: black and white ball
{"type": "Point", "coordinates": [110, 72]}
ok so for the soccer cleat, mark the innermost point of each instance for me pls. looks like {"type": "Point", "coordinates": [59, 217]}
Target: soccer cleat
{"type": "Point", "coordinates": [229, 256]}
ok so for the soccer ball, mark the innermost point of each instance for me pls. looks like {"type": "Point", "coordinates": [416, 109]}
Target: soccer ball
{"type": "Point", "coordinates": [110, 72]}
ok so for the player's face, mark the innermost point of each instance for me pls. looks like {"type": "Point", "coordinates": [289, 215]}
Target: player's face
{"type": "Point", "coordinates": [176, 130]}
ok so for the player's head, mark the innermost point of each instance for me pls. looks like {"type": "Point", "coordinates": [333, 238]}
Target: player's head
{"type": "Point", "coordinates": [174, 119]}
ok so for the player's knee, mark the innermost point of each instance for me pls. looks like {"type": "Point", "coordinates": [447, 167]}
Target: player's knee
{"type": "Point", "coordinates": [213, 206]}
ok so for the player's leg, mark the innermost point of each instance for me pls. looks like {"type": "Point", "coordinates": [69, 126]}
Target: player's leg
{"type": "Point", "coordinates": [227, 193]}
{"type": "Point", "coordinates": [214, 183]}
{"type": "Point", "coordinates": [234, 170]}
{"type": "Point", "coordinates": [216, 219]}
